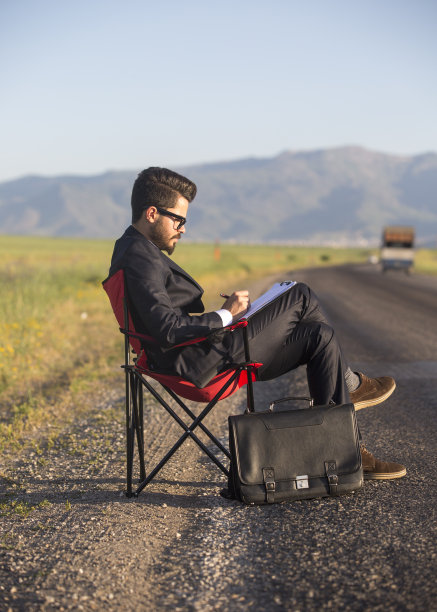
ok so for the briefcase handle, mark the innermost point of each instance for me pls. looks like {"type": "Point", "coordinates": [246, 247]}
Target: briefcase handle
{"type": "Point", "coordinates": [287, 399]}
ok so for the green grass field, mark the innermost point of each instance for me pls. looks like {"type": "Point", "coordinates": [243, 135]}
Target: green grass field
{"type": "Point", "coordinates": [58, 335]}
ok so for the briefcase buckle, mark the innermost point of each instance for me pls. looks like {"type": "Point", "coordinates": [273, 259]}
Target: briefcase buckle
{"type": "Point", "coordinates": [302, 482]}
{"type": "Point", "coordinates": [331, 473]}
{"type": "Point", "coordinates": [270, 484]}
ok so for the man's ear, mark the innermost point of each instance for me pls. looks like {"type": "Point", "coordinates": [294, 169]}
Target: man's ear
{"type": "Point", "coordinates": [151, 214]}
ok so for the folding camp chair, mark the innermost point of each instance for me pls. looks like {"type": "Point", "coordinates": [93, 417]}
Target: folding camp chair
{"type": "Point", "coordinates": [136, 370]}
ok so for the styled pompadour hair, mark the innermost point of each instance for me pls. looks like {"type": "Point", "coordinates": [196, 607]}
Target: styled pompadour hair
{"type": "Point", "coordinates": [159, 187]}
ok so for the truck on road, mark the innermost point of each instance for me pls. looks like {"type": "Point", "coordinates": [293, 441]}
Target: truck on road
{"type": "Point", "coordinates": [397, 250]}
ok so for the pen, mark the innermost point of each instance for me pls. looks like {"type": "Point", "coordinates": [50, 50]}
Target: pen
{"type": "Point", "coordinates": [223, 295]}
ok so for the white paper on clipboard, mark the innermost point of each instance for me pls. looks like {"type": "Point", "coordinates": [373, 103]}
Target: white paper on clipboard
{"type": "Point", "coordinates": [271, 294]}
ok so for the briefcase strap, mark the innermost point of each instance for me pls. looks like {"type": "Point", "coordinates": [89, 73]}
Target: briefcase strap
{"type": "Point", "coordinates": [331, 474]}
{"type": "Point", "coordinates": [269, 483]}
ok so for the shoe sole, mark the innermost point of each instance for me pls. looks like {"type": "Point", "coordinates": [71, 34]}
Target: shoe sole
{"type": "Point", "coordinates": [391, 476]}
{"type": "Point", "coordinates": [375, 401]}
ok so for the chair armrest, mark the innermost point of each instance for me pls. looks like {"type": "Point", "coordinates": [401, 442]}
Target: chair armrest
{"type": "Point", "coordinates": [238, 324]}
{"type": "Point", "coordinates": [231, 327]}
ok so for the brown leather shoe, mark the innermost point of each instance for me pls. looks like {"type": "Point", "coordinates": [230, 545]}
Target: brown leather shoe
{"type": "Point", "coordinates": [372, 391]}
{"type": "Point", "coordinates": [374, 469]}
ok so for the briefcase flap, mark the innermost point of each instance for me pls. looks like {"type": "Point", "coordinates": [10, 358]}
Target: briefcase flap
{"type": "Point", "coordinates": [295, 443]}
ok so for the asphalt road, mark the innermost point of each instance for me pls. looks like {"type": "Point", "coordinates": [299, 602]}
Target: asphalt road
{"type": "Point", "coordinates": [375, 549]}
{"type": "Point", "coordinates": [71, 540]}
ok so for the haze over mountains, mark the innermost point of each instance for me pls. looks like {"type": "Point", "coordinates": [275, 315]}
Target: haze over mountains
{"type": "Point", "coordinates": [344, 195]}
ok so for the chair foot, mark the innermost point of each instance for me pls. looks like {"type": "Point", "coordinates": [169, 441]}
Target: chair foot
{"type": "Point", "coordinates": [132, 494]}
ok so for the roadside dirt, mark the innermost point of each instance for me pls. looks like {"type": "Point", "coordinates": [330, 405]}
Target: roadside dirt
{"type": "Point", "coordinates": [70, 539]}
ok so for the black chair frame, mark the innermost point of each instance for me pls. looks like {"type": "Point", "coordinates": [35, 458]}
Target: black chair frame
{"type": "Point", "coordinates": [136, 381]}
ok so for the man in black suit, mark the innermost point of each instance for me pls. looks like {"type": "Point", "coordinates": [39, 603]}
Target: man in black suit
{"type": "Point", "coordinates": [166, 303]}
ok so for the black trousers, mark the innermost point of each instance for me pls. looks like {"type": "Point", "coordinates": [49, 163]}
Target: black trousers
{"type": "Point", "coordinates": [290, 332]}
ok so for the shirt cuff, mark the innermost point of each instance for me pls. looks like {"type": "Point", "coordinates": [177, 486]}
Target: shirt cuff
{"type": "Point", "coordinates": [225, 316]}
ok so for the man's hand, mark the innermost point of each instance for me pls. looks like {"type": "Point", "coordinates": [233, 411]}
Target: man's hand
{"type": "Point", "coordinates": [237, 303]}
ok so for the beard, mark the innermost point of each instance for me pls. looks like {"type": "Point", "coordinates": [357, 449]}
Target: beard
{"type": "Point", "coordinates": [159, 237]}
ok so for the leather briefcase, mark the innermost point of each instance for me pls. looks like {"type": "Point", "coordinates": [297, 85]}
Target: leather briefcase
{"type": "Point", "coordinates": [294, 454]}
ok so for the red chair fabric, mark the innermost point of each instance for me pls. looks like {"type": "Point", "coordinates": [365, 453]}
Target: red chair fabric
{"type": "Point", "coordinates": [115, 289]}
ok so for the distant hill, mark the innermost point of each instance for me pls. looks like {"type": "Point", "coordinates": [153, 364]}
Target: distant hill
{"type": "Point", "coordinates": [343, 195]}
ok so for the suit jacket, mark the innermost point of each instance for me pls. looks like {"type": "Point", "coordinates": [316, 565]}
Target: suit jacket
{"type": "Point", "coordinates": [162, 299]}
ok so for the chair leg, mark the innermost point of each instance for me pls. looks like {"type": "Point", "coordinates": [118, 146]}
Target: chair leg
{"type": "Point", "coordinates": [250, 407]}
{"type": "Point", "coordinates": [138, 418]}
{"type": "Point", "coordinates": [129, 433]}
{"type": "Point", "coordinates": [211, 436]}
{"type": "Point", "coordinates": [141, 428]}
{"type": "Point", "coordinates": [134, 427]}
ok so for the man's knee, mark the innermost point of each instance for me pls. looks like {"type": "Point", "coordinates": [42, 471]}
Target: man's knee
{"type": "Point", "coordinates": [325, 337]}
{"type": "Point", "coordinates": [311, 307]}
{"type": "Point", "coordinates": [311, 338]}
{"type": "Point", "coordinates": [302, 289]}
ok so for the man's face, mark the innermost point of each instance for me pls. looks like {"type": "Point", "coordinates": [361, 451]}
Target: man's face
{"type": "Point", "coordinates": [163, 231]}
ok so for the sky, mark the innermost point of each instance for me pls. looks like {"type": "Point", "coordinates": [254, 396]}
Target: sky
{"type": "Point", "coordinates": [89, 86]}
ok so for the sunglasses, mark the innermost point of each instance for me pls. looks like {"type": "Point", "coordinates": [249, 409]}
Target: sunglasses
{"type": "Point", "coordinates": [167, 213]}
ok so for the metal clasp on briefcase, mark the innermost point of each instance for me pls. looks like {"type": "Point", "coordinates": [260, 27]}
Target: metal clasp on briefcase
{"type": "Point", "coordinates": [302, 482]}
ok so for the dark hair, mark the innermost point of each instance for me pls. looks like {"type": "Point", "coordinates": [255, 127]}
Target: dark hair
{"type": "Point", "coordinates": [159, 187]}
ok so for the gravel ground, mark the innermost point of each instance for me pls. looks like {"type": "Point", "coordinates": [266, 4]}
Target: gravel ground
{"type": "Point", "coordinates": [71, 540]}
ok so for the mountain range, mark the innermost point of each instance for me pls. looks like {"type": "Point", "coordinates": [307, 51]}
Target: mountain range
{"type": "Point", "coordinates": [343, 195]}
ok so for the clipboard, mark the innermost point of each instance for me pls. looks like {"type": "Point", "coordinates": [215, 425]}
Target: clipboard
{"type": "Point", "coordinates": [271, 294]}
